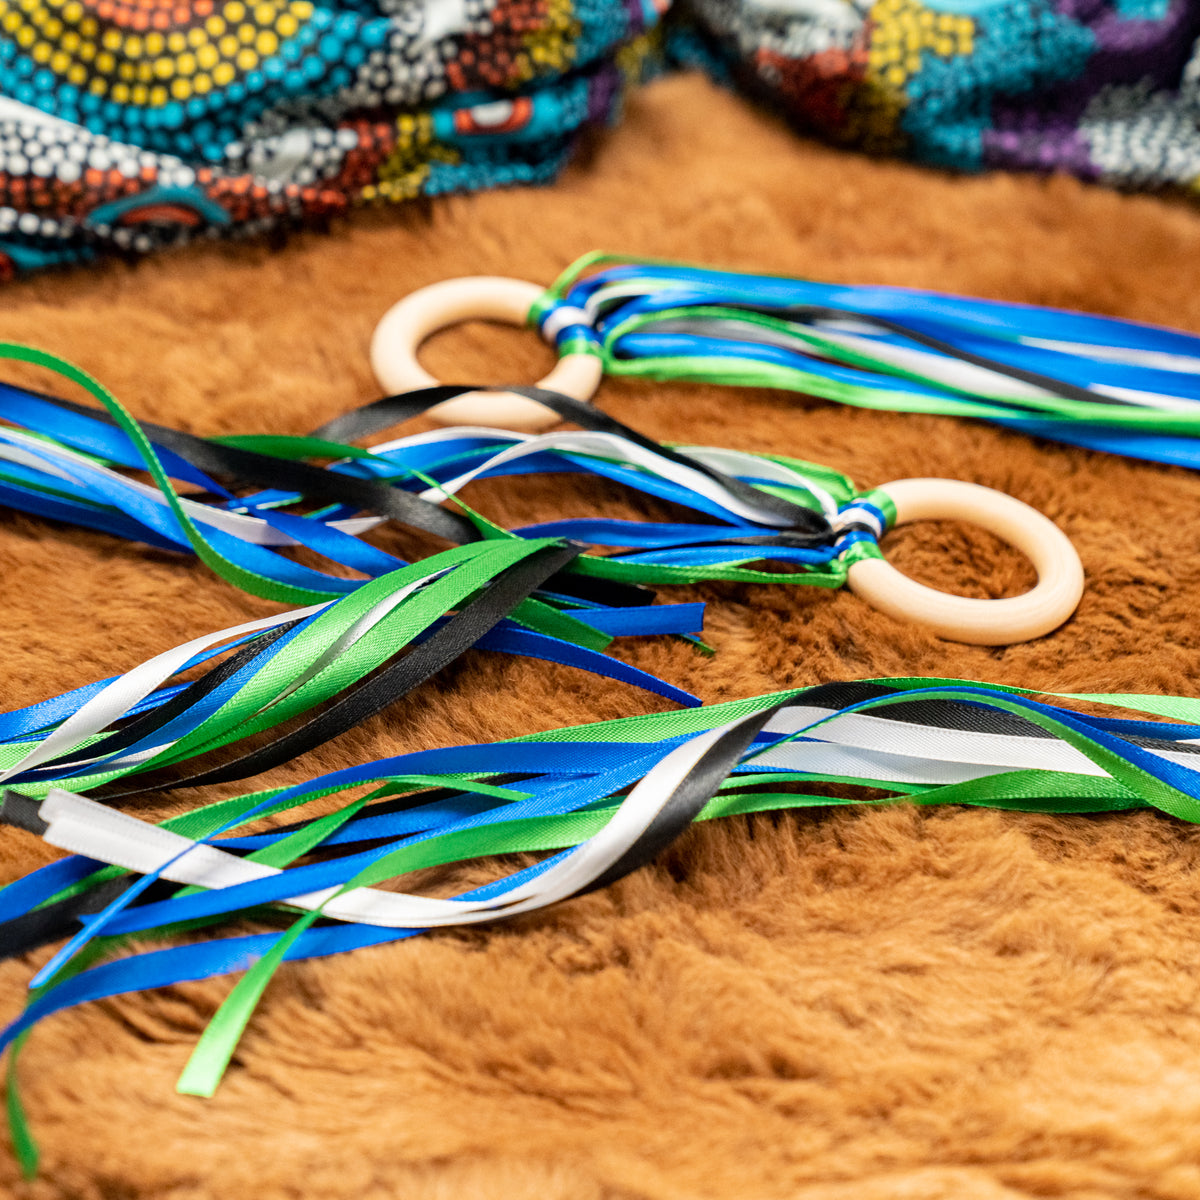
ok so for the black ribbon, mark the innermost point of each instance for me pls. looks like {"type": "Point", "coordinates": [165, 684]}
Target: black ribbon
{"type": "Point", "coordinates": [809, 528]}
{"type": "Point", "coordinates": [458, 635]}
{"type": "Point", "coordinates": [809, 313]}
{"type": "Point", "coordinates": [57, 920]}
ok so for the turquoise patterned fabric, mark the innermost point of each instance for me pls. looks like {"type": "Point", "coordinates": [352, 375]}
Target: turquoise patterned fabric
{"type": "Point", "coordinates": [1108, 90]}
{"type": "Point", "coordinates": [127, 125]}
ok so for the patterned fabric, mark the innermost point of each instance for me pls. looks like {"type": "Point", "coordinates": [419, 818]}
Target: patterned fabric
{"type": "Point", "coordinates": [131, 124]}
{"type": "Point", "coordinates": [1106, 89]}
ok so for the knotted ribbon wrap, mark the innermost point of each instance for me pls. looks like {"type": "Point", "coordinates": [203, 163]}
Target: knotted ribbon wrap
{"type": "Point", "coordinates": [1091, 381]}
{"type": "Point", "coordinates": [605, 799]}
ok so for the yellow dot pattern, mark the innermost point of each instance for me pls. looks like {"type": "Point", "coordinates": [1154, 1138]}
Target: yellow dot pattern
{"type": "Point", "coordinates": [151, 67]}
{"type": "Point", "coordinates": [403, 173]}
{"type": "Point", "coordinates": [551, 47]}
{"type": "Point", "coordinates": [904, 29]}
{"type": "Point", "coordinates": [901, 31]}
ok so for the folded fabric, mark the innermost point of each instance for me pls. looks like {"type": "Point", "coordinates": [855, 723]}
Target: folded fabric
{"type": "Point", "coordinates": [1106, 89]}
{"type": "Point", "coordinates": [126, 125]}
{"type": "Point", "coordinates": [129, 126]}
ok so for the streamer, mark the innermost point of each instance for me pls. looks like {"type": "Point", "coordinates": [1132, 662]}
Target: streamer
{"type": "Point", "coordinates": [761, 513]}
{"type": "Point", "coordinates": [283, 666]}
{"type": "Point", "coordinates": [1091, 381]}
{"type": "Point", "coordinates": [603, 799]}
{"type": "Point", "coordinates": [277, 668]}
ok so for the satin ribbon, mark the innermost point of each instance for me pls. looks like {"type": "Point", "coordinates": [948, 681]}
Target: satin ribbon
{"type": "Point", "coordinates": [1086, 380]}
{"type": "Point", "coordinates": [68, 463]}
{"type": "Point", "coordinates": [491, 593]}
{"type": "Point", "coordinates": [562, 792]}
{"type": "Point", "coordinates": [604, 798]}
{"type": "Point", "coordinates": [283, 666]}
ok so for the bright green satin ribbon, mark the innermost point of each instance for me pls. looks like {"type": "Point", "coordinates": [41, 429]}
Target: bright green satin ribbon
{"type": "Point", "coordinates": [532, 613]}
{"type": "Point", "coordinates": [268, 698]}
{"type": "Point", "coordinates": [249, 581]}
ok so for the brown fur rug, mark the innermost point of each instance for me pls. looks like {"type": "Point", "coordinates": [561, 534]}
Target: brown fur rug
{"type": "Point", "coordinates": [827, 1006]}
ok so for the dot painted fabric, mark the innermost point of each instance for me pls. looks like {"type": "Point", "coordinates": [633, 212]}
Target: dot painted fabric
{"type": "Point", "coordinates": [132, 124]}
{"type": "Point", "coordinates": [1106, 89]}
{"type": "Point", "coordinates": [126, 125]}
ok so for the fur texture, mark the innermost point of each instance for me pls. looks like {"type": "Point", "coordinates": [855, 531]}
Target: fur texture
{"type": "Point", "coordinates": [830, 1006]}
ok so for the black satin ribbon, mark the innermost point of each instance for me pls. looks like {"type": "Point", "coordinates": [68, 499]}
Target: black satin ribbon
{"type": "Point", "coordinates": [693, 792]}
{"type": "Point", "coordinates": [809, 528]}
{"type": "Point", "coordinates": [425, 660]}
{"type": "Point", "coordinates": [150, 722]}
{"type": "Point", "coordinates": [460, 633]}
{"type": "Point", "coordinates": [313, 483]}
{"type": "Point", "coordinates": [368, 496]}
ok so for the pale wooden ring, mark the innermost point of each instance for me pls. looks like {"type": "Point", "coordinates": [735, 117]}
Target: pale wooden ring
{"type": "Point", "coordinates": [981, 622]}
{"type": "Point", "coordinates": [478, 297]}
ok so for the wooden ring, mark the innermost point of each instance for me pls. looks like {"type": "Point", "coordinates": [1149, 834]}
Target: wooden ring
{"type": "Point", "coordinates": [980, 622]}
{"type": "Point", "coordinates": [479, 297]}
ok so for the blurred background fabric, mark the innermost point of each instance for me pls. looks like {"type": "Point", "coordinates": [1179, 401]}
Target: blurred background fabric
{"type": "Point", "coordinates": [129, 125]}
{"type": "Point", "coordinates": [1109, 91]}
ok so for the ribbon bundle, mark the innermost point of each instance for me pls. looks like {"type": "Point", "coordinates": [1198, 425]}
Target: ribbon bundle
{"type": "Point", "coordinates": [514, 595]}
{"type": "Point", "coordinates": [1090, 381]}
{"type": "Point", "coordinates": [607, 798]}
{"type": "Point", "coordinates": [604, 799]}
{"type": "Point", "coordinates": [66, 462]}
{"type": "Point", "coordinates": [277, 668]}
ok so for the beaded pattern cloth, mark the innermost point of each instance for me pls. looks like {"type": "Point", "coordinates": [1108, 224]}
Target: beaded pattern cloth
{"type": "Point", "coordinates": [131, 124]}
